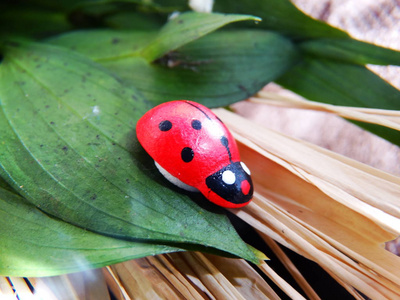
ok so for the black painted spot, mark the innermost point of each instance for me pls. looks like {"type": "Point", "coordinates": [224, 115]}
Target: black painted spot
{"type": "Point", "coordinates": [187, 154]}
{"type": "Point", "coordinates": [196, 124]}
{"type": "Point", "coordinates": [225, 143]}
{"type": "Point", "coordinates": [165, 125]}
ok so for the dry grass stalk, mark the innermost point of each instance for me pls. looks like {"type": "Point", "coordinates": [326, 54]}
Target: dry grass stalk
{"type": "Point", "coordinates": [289, 290]}
{"type": "Point", "coordinates": [90, 285]}
{"type": "Point", "coordinates": [301, 281]}
{"type": "Point", "coordinates": [328, 208]}
{"type": "Point", "coordinates": [189, 275]}
{"type": "Point", "coordinates": [285, 98]}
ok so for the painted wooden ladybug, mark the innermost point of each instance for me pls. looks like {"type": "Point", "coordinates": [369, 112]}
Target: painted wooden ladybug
{"type": "Point", "coordinates": [194, 150]}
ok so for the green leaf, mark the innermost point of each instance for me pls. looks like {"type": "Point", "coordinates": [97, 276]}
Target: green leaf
{"type": "Point", "coordinates": [281, 16]}
{"type": "Point", "coordinates": [69, 146]}
{"type": "Point", "coordinates": [149, 45]}
{"type": "Point", "coordinates": [186, 28]}
{"type": "Point", "coordinates": [216, 70]}
{"type": "Point", "coordinates": [105, 45]}
{"type": "Point", "coordinates": [34, 244]}
{"type": "Point", "coordinates": [344, 84]}
{"type": "Point", "coordinates": [134, 20]}
{"type": "Point", "coordinates": [352, 51]}
{"type": "Point", "coordinates": [28, 21]}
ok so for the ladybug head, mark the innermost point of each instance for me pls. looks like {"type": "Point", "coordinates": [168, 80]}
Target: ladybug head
{"type": "Point", "coordinates": [231, 186]}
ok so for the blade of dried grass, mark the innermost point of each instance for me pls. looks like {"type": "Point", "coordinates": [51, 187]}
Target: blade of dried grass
{"type": "Point", "coordinates": [114, 284]}
{"type": "Point", "coordinates": [142, 280]}
{"type": "Point", "coordinates": [174, 277]}
{"type": "Point", "coordinates": [222, 278]}
{"type": "Point", "coordinates": [90, 284]}
{"type": "Point", "coordinates": [243, 277]}
{"type": "Point", "coordinates": [287, 288]}
{"type": "Point", "coordinates": [215, 282]}
{"type": "Point", "coordinates": [6, 290]}
{"type": "Point", "coordinates": [301, 281]}
{"type": "Point", "coordinates": [21, 288]}
{"type": "Point", "coordinates": [42, 289]}
{"type": "Point", "coordinates": [314, 195]}
{"type": "Point", "coordinates": [387, 118]}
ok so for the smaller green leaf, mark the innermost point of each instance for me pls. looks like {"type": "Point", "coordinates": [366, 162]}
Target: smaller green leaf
{"type": "Point", "coordinates": [186, 28]}
{"type": "Point", "coordinates": [217, 70]}
{"type": "Point", "coordinates": [110, 45]}
{"type": "Point", "coordinates": [130, 20]}
{"type": "Point", "coordinates": [344, 84]}
{"type": "Point", "coordinates": [34, 244]}
{"type": "Point", "coordinates": [353, 51]}
{"type": "Point", "coordinates": [281, 16]}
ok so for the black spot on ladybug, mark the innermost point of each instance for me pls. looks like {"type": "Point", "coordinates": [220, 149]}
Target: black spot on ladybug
{"type": "Point", "coordinates": [225, 143]}
{"type": "Point", "coordinates": [196, 124]}
{"type": "Point", "coordinates": [187, 154]}
{"type": "Point", "coordinates": [165, 125]}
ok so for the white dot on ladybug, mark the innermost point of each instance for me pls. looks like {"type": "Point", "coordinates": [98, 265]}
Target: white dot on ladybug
{"type": "Point", "coordinates": [245, 168]}
{"type": "Point", "coordinates": [228, 177]}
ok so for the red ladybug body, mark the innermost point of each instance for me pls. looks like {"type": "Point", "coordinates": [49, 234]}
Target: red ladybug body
{"type": "Point", "coordinates": [193, 149]}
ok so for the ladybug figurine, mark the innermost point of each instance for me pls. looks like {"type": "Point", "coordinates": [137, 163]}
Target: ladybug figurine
{"type": "Point", "coordinates": [194, 150]}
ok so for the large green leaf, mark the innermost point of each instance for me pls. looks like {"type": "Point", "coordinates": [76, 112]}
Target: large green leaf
{"type": "Point", "coordinates": [34, 244]}
{"type": "Point", "coordinates": [344, 84]}
{"type": "Point", "coordinates": [69, 146]}
{"type": "Point", "coordinates": [217, 70]}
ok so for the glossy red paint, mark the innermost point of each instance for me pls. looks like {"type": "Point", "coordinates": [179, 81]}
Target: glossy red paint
{"type": "Point", "coordinates": [193, 145]}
